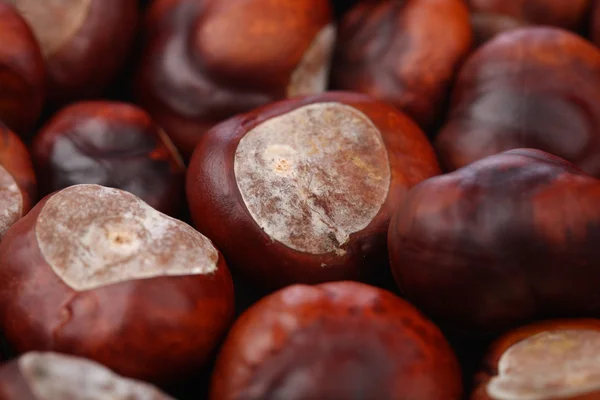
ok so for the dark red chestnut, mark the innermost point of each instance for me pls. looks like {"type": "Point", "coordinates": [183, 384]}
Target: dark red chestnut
{"type": "Point", "coordinates": [205, 61]}
{"type": "Point", "coordinates": [84, 42]}
{"type": "Point", "coordinates": [111, 144]}
{"type": "Point", "coordinates": [54, 376]}
{"type": "Point", "coordinates": [544, 361]}
{"type": "Point", "coordinates": [595, 22]}
{"type": "Point", "coordinates": [500, 242]}
{"type": "Point", "coordinates": [532, 87]}
{"type": "Point", "coordinates": [301, 191]}
{"type": "Point", "coordinates": [22, 73]}
{"type": "Point", "coordinates": [340, 340]}
{"type": "Point", "coordinates": [403, 52]}
{"type": "Point", "coordinates": [96, 272]}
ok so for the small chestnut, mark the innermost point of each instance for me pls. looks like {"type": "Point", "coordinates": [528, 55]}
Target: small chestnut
{"type": "Point", "coordinates": [301, 191]}
{"type": "Point", "coordinates": [111, 144]}
{"type": "Point", "coordinates": [205, 61]}
{"type": "Point", "coordinates": [95, 272]}
{"type": "Point", "coordinates": [530, 87]}
{"type": "Point", "coordinates": [55, 376]}
{"type": "Point", "coordinates": [544, 361]}
{"type": "Point", "coordinates": [84, 42]}
{"type": "Point", "coordinates": [22, 73]}
{"type": "Point", "coordinates": [403, 52]}
{"type": "Point", "coordinates": [500, 242]}
{"type": "Point", "coordinates": [338, 340]}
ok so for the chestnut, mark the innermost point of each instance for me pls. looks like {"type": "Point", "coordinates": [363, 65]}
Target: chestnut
{"type": "Point", "coordinates": [95, 272]}
{"type": "Point", "coordinates": [111, 144]}
{"type": "Point", "coordinates": [543, 361]}
{"type": "Point", "coordinates": [338, 340]}
{"type": "Point", "coordinates": [55, 376]}
{"type": "Point", "coordinates": [205, 61]}
{"type": "Point", "coordinates": [500, 242]}
{"type": "Point", "coordinates": [302, 190]}
{"type": "Point", "coordinates": [530, 87]}
{"type": "Point", "coordinates": [22, 73]}
{"type": "Point", "coordinates": [595, 22]}
{"type": "Point", "coordinates": [403, 52]}
{"type": "Point", "coordinates": [84, 42]}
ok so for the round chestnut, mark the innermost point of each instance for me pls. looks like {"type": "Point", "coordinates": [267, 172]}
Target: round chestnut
{"type": "Point", "coordinates": [531, 87]}
{"type": "Point", "coordinates": [544, 361]}
{"type": "Point", "coordinates": [403, 52]}
{"type": "Point", "coordinates": [205, 61]}
{"type": "Point", "coordinates": [55, 376]}
{"type": "Point", "coordinates": [84, 42]}
{"type": "Point", "coordinates": [22, 73]}
{"type": "Point", "coordinates": [339, 340]}
{"type": "Point", "coordinates": [111, 144]}
{"type": "Point", "coordinates": [500, 242]}
{"type": "Point", "coordinates": [301, 191]}
{"type": "Point", "coordinates": [96, 272]}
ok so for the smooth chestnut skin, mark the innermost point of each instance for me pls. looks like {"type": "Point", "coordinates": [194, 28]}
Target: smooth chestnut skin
{"type": "Point", "coordinates": [500, 242]}
{"type": "Point", "coordinates": [159, 330]}
{"type": "Point", "coordinates": [205, 61]}
{"type": "Point", "coordinates": [111, 144]}
{"type": "Point", "coordinates": [531, 87]}
{"type": "Point", "coordinates": [403, 52]}
{"type": "Point", "coordinates": [219, 211]}
{"type": "Point", "coordinates": [595, 23]}
{"type": "Point", "coordinates": [505, 342]}
{"type": "Point", "coordinates": [22, 73]}
{"type": "Point", "coordinates": [85, 43]}
{"type": "Point", "coordinates": [339, 340]}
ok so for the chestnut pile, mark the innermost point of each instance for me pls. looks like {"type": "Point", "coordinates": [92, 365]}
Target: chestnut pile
{"type": "Point", "coordinates": [300, 199]}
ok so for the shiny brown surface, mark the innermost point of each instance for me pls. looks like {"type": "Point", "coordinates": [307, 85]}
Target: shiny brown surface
{"type": "Point", "coordinates": [219, 212]}
{"type": "Point", "coordinates": [532, 87]}
{"type": "Point", "coordinates": [337, 340]}
{"type": "Point", "coordinates": [15, 158]}
{"type": "Point", "coordinates": [500, 242]}
{"type": "Point", "coordinates": [403, 52]}
{"type": "Point", "coordinates": [111, 144]}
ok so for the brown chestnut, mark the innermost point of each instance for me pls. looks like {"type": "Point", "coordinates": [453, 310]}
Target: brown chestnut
{"type": "Point", "coordinates": [502, 241]}
{"type": "Point", "coordinates": [55, 376]}
{"type": "Point", "coordinates": [205, 61]}
{"type": "Point", "coordinates": [111, 144]}
{"type": "Point", "coordinates": [85, 42]}
{"type": "Point", "coordinates": [544, 361]}
{"type": "Point", "coordinates": [531, 87]}
{"type": "Point", "coordinates": [22, 73]}
{"type": "Point", "coordinates": [96, 272]}
{"type": "Point", "coordinates": [301, 191]}
{"type": "Point", "coordinates": [339, 340]}
{"type": "Point", "coordinates": [403, 52]}
{"type": "Point", "coordinates": [595, 22]}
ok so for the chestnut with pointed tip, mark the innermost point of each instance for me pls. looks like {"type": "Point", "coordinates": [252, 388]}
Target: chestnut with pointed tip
{"type": "Point", "coordinates": [339, 340]}
{"type": "Point", "coordinates": [96, 272]}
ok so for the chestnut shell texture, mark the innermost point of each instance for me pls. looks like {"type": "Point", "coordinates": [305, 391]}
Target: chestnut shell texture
{"type": "Point", "coordinates": [500, 242]}
{"type": "Point", "coordinates": [301, 191]}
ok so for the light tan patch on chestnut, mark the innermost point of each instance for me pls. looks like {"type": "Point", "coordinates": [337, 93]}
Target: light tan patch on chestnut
{"type": "Point", "coordinates": [312, 73]}
{"type": "Point", "coordinates": [54, 22]}
{"type": "Point", "coordinates": [92, 236]}
{"type": "Point", "coordinates": [314, 176]}
{"type": "Point", "coordinates": [554, 364]}
{"type": "Point", "coordinates": [11, 201]}
{"type": "Point", "coordinates": [53, 376]}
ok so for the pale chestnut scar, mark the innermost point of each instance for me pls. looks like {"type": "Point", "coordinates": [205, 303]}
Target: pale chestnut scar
{"type": "Point", "coordinates": [11, 200]}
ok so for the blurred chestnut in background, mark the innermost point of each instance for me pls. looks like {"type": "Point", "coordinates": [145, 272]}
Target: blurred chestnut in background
{"type": "Point", "coordinates": [595, 22]}
{"type": "Point", "coordinates": [54, 376]}
{"type": "Point", "coordinates": [532, 87]}
{"type": "Point", "coordinates": [403, 52]}
{"type": "Point", "coordinates": [543, 361]}
{"type": "Point", "coordinates": [111, 144]}
{"type": "Point", "coordinates": [205, 61]}
{"type": "Point", "coordinates": [301, 191]}
{"type": "Point", "coordinates": [500, 242]}
{"type": "Point", "coordinates": [96, 272]}
{"type": "Point", "coordinates": [22, 73]}
{"type": "Point", "coordinates": [85, 42]}
{"type": "Point", "coordinates": [339, 340]}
